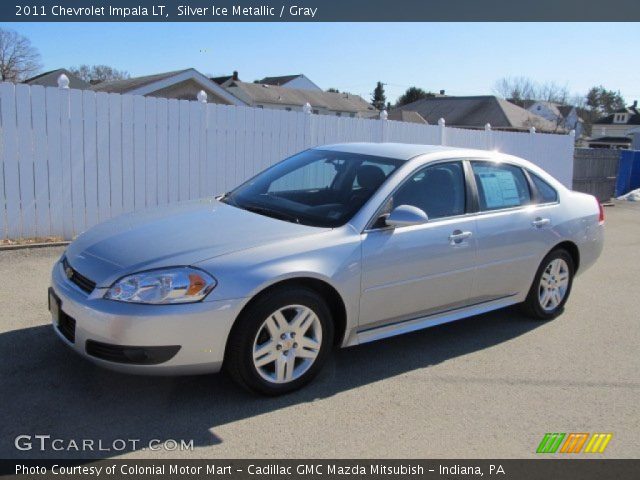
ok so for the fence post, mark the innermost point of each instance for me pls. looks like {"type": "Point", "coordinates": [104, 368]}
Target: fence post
{"type": "Point", "coordinates": [63, 81]}
{"type": "Point", "coordinates": [443, 133]}
{"type": "Point", "coordinates": [384, 126]}
{"type": "Point", "coordinates": [202, 96]}
{"type": "Point", "coordinates": [532, 130]}
{"type": "Point", "coordinates": [308, 127]}
{"type": "Point", "coordinates": [488, 136]}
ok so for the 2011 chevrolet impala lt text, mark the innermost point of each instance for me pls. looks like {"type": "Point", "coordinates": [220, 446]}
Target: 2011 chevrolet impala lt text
{"type": "Point", "coordinates": [335, 246]}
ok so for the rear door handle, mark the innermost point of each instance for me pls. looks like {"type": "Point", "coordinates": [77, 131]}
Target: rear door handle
{"type": "Point", "coordinates": [458, 236]}
{"type": "Point", "coordinates": [540, 222]}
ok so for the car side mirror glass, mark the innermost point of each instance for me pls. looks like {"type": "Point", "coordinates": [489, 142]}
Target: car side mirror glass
{"type": "Point", "coordinates": [406, 215]}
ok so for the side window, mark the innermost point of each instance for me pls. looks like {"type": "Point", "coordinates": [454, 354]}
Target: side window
{"type": "Point", "coordinates": [438, 190]}
{"type": "Point", "coordinates": [547, 192]}
{"type": "Point", "coordinates": [500, 185]}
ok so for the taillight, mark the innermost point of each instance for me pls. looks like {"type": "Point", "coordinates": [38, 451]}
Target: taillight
{"type": "Point", "coordinates": [601, 213]}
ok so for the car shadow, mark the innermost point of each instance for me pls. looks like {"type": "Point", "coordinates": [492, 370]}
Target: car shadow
{"type": "Point", "coordinates": [47, 389]}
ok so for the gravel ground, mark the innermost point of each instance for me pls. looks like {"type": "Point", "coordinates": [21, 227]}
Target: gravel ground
{"type": "Point", "coordinates": [489, 386]}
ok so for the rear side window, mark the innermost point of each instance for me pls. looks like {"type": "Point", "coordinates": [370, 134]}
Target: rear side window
{"type": "Point", "coordinates": [500, 185]}
{"type": "Point", "coordinates": [546, 192]}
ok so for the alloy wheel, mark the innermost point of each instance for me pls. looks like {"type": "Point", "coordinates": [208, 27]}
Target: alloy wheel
{"type": "Point", "coordinates": [554, 284]}
{"type": "Point", "coordinates": [287, 344]}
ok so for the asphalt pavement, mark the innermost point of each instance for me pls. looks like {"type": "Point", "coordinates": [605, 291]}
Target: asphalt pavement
{"type": "Point", "coordinates": [489, 386]}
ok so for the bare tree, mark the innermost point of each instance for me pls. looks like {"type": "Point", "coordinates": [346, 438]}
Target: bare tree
{"type": "Point", "coordinates": [523, 88]}
{"type": "Point", "coordinates": [19, 60]}
{"type": "Point", "coordinates": [98, 73]}
{"type": "Point", "coordinates": [515, 88]}
{"type": "Point", "coordinates": [552, 92]}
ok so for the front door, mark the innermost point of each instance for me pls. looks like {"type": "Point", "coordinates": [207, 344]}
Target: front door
{"type": "Point", "coordinates": [414, 271]}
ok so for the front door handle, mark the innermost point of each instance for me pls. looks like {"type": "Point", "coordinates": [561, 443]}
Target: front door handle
{"type": "Point", "coordinates": [457, 237]}
{"type": "Point", "coordinates": [540, 222]}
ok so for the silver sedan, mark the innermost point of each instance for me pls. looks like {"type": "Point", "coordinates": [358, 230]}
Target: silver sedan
{"type": "Point", "coordinates": [335, 246]}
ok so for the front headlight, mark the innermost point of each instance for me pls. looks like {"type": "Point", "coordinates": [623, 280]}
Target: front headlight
{"type": "Point", "coordinates": [170, 285]}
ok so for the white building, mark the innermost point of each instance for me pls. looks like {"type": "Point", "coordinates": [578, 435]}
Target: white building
{"type": "Point", "coordinates": [298, 82]}
{"type": "Point", "coordinates": [565, 116]}
{"type": "Point", "coordinates": [616, 130]}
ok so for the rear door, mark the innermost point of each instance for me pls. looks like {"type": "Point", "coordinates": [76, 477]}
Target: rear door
{"type": "Point", "coordinates": [512, 231]}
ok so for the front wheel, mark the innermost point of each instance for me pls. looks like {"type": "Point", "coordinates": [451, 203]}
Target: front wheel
{"type": "Point", "coordinates": [551, 286]}
{"type": "Point", "coordinates": [280, 342]}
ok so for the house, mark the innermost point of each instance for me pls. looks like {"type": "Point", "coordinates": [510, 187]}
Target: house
{"type": "Point", "coordinates": [475, 112]}
{"type": "Point", "coordinates": [50, 79]}
{"type": "Point", "coordinates": [565, 116]}
{"type": "Point", "coordinates": [226, 80]}
{"type": "Point", "coordinates": [180, 84]}
{"type": "Point", "coordinates": [284, 98]}
{"type": "Point", "coordinates": [406, 116]}
{"type": "Point", "coordinates": [616, 130]}
{"type": "Point", "coordinates": [299, 82]}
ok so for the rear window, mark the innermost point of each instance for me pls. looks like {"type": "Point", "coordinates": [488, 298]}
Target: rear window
{"type": "Point", "coordinates": [546, 192]}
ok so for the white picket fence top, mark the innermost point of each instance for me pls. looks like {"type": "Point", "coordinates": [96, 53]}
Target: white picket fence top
{"type": "Point", "coordinates": [72, 158]}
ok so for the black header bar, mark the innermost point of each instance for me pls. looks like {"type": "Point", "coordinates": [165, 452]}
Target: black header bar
{"type": "Point", "coordinates": [319, 10]}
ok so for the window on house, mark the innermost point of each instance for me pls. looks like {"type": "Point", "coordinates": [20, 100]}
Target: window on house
{"type": "Point", "coordinates": [338, 114]}
{"type": "Point", "coordinates": [288, 109]}
{"type": "Point", "coordinates": [259, 106]}
{"type": "Point", "coordinates": [352, 115]}
{"type": "Point", "coordinates": [316, 111]}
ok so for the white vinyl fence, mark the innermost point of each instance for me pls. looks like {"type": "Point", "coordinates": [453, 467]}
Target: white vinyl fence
{"type": "Point", "coordinates": [72, 158]}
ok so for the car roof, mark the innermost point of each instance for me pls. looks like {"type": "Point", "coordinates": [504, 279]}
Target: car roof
{"type": "Point", "coordinates": [399, 151]}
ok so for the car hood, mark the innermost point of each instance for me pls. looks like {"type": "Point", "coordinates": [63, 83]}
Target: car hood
{"type": "Point", "coordinates": [180, 234]}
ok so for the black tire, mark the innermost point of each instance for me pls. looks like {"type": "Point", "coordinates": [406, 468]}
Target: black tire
{"type": "Point", "coordinates": [239, 353]}
{"type": "Point", "coordinates": [532, 306]}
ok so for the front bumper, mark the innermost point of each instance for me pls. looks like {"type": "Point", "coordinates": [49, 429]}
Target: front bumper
{"type": "Point", "coordinates": [199, 329]}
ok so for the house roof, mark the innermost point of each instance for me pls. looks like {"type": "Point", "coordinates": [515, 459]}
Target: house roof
{"type": "Point", "coordinates": [50, 79]}
{"type": "Point", "coordinates": [565, 110]}
{"type": "Point", "coordinates": [610, 139]}
{"type": "Point", "coordinates": [522, 103]}
{"type": "Point", "coordinates": [634, 117]}
{"type": "Point", "coordinates": [222, 79]}
{"type": "Point", "coordinates": [476, 111]}
{"type": "Point", "coordinates": [125, 85]}
{"type": "Point", "coordinates": [406, 116]}
{"type": "Point", "coordinates": [557, 108]}
{"type": "Point", "coordinates": [269, 94]}
{"type": "Point", "coordinates": [151, 83]}
{"type": "Point", "coordinates": [277, 81]}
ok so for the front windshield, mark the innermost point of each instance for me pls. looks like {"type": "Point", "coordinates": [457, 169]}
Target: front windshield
{"type": "Point", "coordinates": [317, 187]}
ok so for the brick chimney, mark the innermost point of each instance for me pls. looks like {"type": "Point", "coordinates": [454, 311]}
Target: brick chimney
{"type": "Point", "coordinates": [235, 76]}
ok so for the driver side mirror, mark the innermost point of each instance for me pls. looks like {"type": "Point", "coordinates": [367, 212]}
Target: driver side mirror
{"type": "Point", "coordinates": [406, 215]}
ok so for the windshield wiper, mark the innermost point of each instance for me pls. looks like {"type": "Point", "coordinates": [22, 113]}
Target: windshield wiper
{"type": "Point", "coordinates": [270, 213]}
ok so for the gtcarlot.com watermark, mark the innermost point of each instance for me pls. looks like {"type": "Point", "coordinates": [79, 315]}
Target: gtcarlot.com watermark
{"type": "Point", "coordinates": [47, 443]}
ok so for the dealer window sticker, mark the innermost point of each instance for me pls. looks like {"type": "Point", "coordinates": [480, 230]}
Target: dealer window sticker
{"type": "Point", "coordinates": [499, 186]}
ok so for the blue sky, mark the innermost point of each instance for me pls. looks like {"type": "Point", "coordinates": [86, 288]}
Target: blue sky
{"type": "Point", "coordinates": [462, 58]}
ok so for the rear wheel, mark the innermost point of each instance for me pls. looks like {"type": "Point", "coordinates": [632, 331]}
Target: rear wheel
{"type": "Point", "coordinates": [551, 286]}
{"type": "Point", "coordinates": [280, 342]}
